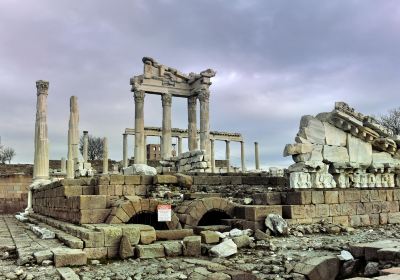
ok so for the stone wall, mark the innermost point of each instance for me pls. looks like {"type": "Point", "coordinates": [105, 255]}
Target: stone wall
{"type": "Point", "coordinates": [14, 193]}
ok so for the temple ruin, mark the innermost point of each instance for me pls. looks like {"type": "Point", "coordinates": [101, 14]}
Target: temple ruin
{"type": "Point", "coordinates": [346, 173]}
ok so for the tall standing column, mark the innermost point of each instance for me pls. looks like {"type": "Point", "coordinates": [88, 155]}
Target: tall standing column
{"type": "Point", "coordinates": [105, 156]}
{"type": "Point", "coordinates": [166, 126]}
{"type": "Point", "coordinates": [242, 156]}
{"type": "Point", "coordinates": [125, 150]}
{"type": "Point", "coordinates": [179, 145]}
{"type": "Point", "coordinates": [63, 165]}
{"type": "Point", "coordinates": [228, 156]}
{"type": "Point", "coordinates": [212, 156]}
{"type": "Point", "coordinates": [204, 98]}
{"type": "Point", "coordinates": [73, 137]}
{"type": "Point", "coordinates": [257, 157]}
{"type": "Point", "coordinates": [85, 146]}
{"type": "Point", "coordinates": [192, 123]}
{"type": "Point", "coordinates": [139, 127]}
{"type": "Point", "coordinates": [41, 157]}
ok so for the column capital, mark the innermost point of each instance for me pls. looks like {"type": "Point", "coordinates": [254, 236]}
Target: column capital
{"type": "Point", "coordinates": [192, 100]}
{"type": "Point", "coordinates": [42, 87]}
{"type": "Point", "coordinates": [204, 95]}
{"type": "Point", "coordinates": [166, 99]}
{"type": "Point", "coordinates": [227, 141]}
{"type": "Point", "coordinates": [139, 96]}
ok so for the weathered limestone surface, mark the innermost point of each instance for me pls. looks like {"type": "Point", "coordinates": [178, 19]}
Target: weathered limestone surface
{"type": "Point", "coordinates": [343, 148]}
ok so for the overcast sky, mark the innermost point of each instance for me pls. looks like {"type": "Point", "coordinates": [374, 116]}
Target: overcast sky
{"type": "Point", "coordinates": [275, 61]}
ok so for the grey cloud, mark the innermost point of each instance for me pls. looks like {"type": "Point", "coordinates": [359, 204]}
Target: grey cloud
{"type": "Point", "coordinates": [275, 61]}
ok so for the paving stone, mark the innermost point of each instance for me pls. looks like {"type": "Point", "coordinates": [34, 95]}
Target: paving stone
{"type": "Point", "coordinates": [40, 256]}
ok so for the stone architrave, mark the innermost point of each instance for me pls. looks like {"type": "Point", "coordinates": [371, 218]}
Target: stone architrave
{"type": "Point", "coordinates": [166, 126]}
{"type": "Point", "coordinates": [334, 136]}
{"type": "Point", "coordinates": [359, 151]}
{"type": "Point", "coordinates": [335, 154]}
{"type": "Point", "coordinates": [41, 157]}
{"type": "Point", "coordinates": [312, 130]}
{"type": "Point", "coordinates": [105, 156]}
{"type": "Point", "coordinates": [204, 97]}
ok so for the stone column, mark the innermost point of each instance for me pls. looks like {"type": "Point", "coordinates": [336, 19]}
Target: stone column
{"type": "Point", "coordinates": [85, 146]}
{"type": "Point", "coordinates": [257, 157]}
{"type": "Point", "coordinates": [166, 126]}
{"type": "Point", "coordinates": [145, 149]}
{"type": "Point", "coordinates": [192, 123]}
{"type": "Point", "coordinates": [212, 156]}
{"type": "Point", "coordinates": [228, 156]}
{"type": "Point", "coordinates": [242, 156]}
{"type": "Point", "coordinates": [140, 148]}
{"type": "Point", "coordinates": [41, 157]}
{"type": "Point", "coordinates": [105, 156]}
{"type": "Point", "coordinates": [125, 150]}
{"type": "Point", "coordinates": [204, 97]}
{"type": "Point", "coordinates": [73, 137]}
{"type": "Point", "coordinates": [63, 165]}
{"type": "Point", "coordinates": [179, 145]}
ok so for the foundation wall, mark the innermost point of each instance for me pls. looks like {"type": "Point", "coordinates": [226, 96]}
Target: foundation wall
{"type": "Point", "coordinates": [14, 192]}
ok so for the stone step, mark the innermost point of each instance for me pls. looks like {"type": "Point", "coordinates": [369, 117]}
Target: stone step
{"type": "Point", "coordinates": [69, 257]}
{"type": "Point", "coordinates": [68, 239]}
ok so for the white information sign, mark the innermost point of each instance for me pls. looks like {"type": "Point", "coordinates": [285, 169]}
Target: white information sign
{"type": "Point", "coordinates": [164, 213]}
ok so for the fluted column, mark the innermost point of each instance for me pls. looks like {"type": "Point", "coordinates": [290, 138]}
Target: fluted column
{"type": "Point", "coordinates": [105, 156]}
{"type": "Point", "coordinates": [257, 156]}
{"type": "Point", "coordinates": [192, 123]}
{"type": "Point", "coordinates": [41, 157]}
{"type": "Point", "coordinates": [204, 97]}
{"type": "Point", "coordinates": [228, 156]}
{"type": "Point", "coordinates": [166, 126]}
{"type": "Point", "coordinates": [140, 149]}
{"type": "Point", "coordinates": [242, 157]}
{"type": "Point", "coordinates": [179, 145]}
{"type": "Point", "coordinates": [212, 155]}
{"type": "Point", "coordinates": [85, 146]}
{"type": "Point", "coordinates": [125, 150]}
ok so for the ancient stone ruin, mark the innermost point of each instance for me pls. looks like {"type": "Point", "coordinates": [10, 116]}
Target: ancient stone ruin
{"type": "Point", "coordinates": [345, 175]}
{"type": "Point", "coordinates": [344, 149]}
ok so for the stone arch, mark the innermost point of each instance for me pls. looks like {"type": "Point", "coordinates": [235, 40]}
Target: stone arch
{"type": "Point", "coordinates": [191, 212]}
{"type": "Point", "coordinates": [123, 211]}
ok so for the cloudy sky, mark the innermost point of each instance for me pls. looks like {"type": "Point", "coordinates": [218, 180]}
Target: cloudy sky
{"type": "Point", "coordinates": [275, 61]}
